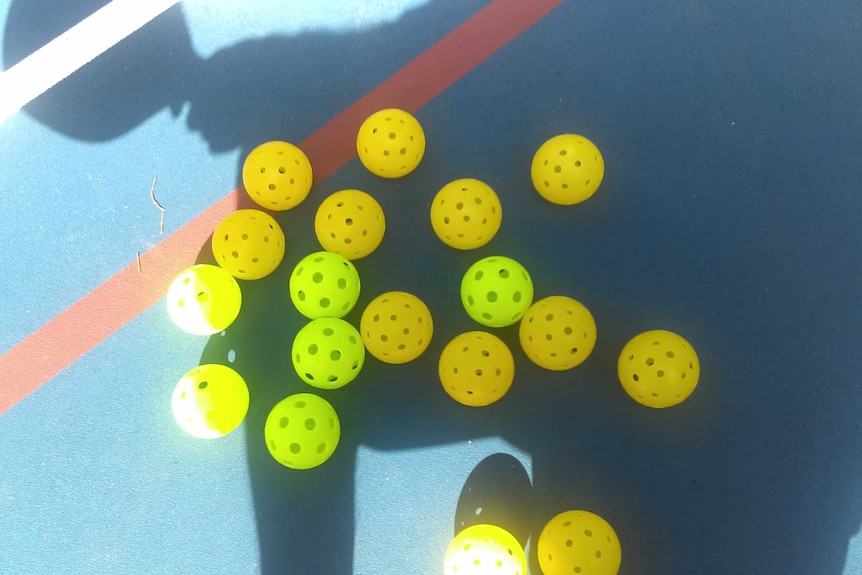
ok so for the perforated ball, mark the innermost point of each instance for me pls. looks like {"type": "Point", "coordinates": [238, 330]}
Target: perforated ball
{"type": "Point", "coordinates": [496, 291]}
{"type": "Point", "coordinates": [658, 368]}
{"type": "Point", "coordinates": [249, 244]}
{"type": "Point", "coordinates": [466, 214]}
{"type": "Point", "coordinates": [484, 550]}
{"type": "Point", "coordinates": [396, 327]}
{"type": "Point", "coordinates": [302, 431]}
{"type": "Point", "coordinates": [350, 223]}
{"type": "Point", "coordinates": [557, 333]}
{"type": "Point", "coordinates": [567, 169]}
{"type": "Point", "coordinates": [328, 353]}
{"type": "Point", "coordinates": [390, 143]}
{"type": "Point", "coordinates": [476, 368]}
{"type": "Point", "coordinates": [277, 175]}
{"type": "Point", "coordinates": [579, 542]}
{"type": "Point", "coordinates": [204, 299]}
{"type": "Point", "coordinates": [210, 401]}
{"type": "Point", "coordinates": [324, 284]}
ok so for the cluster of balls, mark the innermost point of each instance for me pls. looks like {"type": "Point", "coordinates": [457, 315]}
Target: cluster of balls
{"type": "Point", "coordinates": [657, 368]}
{"type": "Point", "coordinates": [303, 430]}
{"type": "Point", "coordinates": [572, 542]}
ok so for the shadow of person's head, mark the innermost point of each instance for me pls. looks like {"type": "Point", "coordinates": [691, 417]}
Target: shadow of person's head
{"type": "Point", "coordinates": [120, 89]}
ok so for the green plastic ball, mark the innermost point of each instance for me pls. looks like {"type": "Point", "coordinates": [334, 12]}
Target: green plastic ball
{"type": "Point", "coordinates": [324, 284]}
{"type": "Point", "coordinates": [204, 299]}
{"type": "Point", "coordinates": [302, 431]}
{"type": "Point", "coordinates": [496, 291]}
{"type": "Point", "coordinates": [210, 401]}
{"type": "Point", "coordinates": [328, 353]}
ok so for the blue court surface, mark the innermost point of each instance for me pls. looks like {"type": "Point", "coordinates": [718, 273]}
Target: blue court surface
{"type": "Point", "coordinates": [729, 213]}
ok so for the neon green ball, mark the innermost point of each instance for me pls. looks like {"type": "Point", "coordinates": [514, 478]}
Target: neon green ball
{"type": "Point", "coordinates": [328, 353]}
{"type": "Point", "coordinates": [496, 291]}
{"type": "Point", "coordinates": [485, 550]}
{"type": "Point", "coordinates": [302, 431]}
{"type": "Point", "coordinates": [210, 401]}
{"type": "Point", "coordinates": [324, 284]}
{"type": "Point", "coordinates": [204, 299]}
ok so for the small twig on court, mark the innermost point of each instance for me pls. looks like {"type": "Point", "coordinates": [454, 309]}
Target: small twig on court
{"type": "Point", "coordinates": [158, 205]}
{"type": "Point", "coordinates": [139, 261]}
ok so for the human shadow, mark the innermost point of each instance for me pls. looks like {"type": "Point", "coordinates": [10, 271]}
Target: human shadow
{"type": "Point", "coordinates": [755, 472]}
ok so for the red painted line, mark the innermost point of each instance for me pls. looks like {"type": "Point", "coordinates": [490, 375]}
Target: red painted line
{"type": "Point", "coordinates": [128, 293]}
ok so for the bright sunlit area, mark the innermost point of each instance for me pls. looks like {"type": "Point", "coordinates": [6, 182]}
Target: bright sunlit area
{"type": "Point", "coordinates": [220, 18]}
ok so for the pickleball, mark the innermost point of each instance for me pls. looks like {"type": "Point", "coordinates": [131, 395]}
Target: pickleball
{"type": "Point", "coordinates": [277, 175]}
{"type": "Point", "coordinates": [396, 327]}
{"type": "Point", "coordinates": [484, 550]}
{"type": "Point", "coordinates": [350, 223]}
{"type": "Point", "coordinates": [658, 368]}
{"type": "Point", "coordinates": [210, 401]}
{"type": "Point", "coordinates": [567, 169]}
{"type": "Point", "coordinates": [324, 284]}
{"type": "Point", "coordinates": [390, 143]}
{"type": "Point", "coordinates": [249, 244]}
{"type": "Point", "coordinates": [557, 333]}
{"type": "Point", "coordinates": [579, 542]}
{"type": "Point", "coordinates": [476, 368]}
{"type": "Point", "coordinates": [496, 291]}
{"type": "Point", "coordinates": [328, 353]}
{"type": "Point", "coordinates": [302, 431]}
{"type": "Point", "coordinates": [466, 214]}
{"type": "Point", "coordinates": [204, 299]}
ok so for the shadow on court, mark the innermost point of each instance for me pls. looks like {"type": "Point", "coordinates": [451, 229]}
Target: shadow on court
{"type": "Point", "coordinates": [742, 239]}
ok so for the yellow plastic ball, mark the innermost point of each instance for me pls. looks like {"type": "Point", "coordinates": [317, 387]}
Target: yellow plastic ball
{"type": "Point", "coordinates": [390, 143]}
{"type": "Point", "coordinates": [579, 542]}
{"type": "Point", "coordinates": [249, 244]}
{"type": "Point", "coordinates": [558, 333]}
{"type": "Point", "coordinates": [466, 214]}
{"type": "Point", "coordinates": [567, 169]}
{"type": "Point", "coordinates": [277, 175]}
{"type": "Point", "coordinates": [484, 550]}
{"type": "Point", "coordinates": [350, 223]}
{"type": "Point", "coordinates": [210, 401]}
{"type": "Point", "coordinates": [658, 369]}
{"type": "Point", "coordinates": [204, 299]}
{"type": "Point", "coordinates": [476, 368]}
{"type": "Point", "coordinates": [396, 327]}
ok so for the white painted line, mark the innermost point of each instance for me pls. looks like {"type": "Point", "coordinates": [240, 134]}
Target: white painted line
{"type": "Point", "coordinates": [69, 51]}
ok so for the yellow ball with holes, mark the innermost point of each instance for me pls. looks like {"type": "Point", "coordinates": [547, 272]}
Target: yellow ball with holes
{"type": "Point", "coordinates": [350, 223]}
{"type": "Point", "coordinates": [249, 244]}
{"type": "Point", "coordinates": [204, 299]}
{"type": "Point", "coordinates": [390, 143]}
{"type": "Point", "coordinates": [658, 369]}
{"type": "Point", "coordinates": [483, 550]}
{"type": "Point", "coordinates": [476, 368]}
{"type": "Point", "coordinates": [557, 333]}
{"type": "Point", "coordinates": [466, 214]}
{"type": "Point", "coordinates": [579, 542]}
{"type": "Point", "coordinates": [567, 169]}
{"type": "Point", "coordinates": [396, 327]}
{"type": "Point", "coordinates": [210, 401]}
{"type": "Point", "coordinates": [277, 175]}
